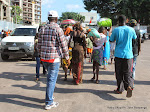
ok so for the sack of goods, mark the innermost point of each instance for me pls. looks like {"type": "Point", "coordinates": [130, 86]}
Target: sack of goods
{"type": "Point", "coordinates": [105, 22]}
{"type": "Point", "coordinates": [94, 33]}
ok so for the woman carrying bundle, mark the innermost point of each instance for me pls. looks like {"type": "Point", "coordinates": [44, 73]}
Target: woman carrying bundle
{"type": "Point", "coordinates": [97, 54]}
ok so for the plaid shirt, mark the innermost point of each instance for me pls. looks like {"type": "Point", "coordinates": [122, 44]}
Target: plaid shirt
{"type": "Point", "coordinates": [51, 42]}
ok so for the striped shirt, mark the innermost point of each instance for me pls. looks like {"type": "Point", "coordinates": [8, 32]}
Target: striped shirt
{"type": "Point", "coordinates": [51, 42]}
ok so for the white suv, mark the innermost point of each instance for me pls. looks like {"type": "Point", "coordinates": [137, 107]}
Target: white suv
{"type": "Point", "coordinates": [19, 43]}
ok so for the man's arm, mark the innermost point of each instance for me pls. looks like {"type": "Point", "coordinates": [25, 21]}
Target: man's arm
{"type": "Point", "coordinates": [112, 37]}
{"type": "Point", "coordinates": [110, 31]}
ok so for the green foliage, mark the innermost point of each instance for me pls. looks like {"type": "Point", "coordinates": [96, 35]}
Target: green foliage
{"type": "Point", "coordinates": [15, 12]}
{"type": "Point", "coordinates": [72, 15]}
{"type": "Point", "coordinates": [137, 9]}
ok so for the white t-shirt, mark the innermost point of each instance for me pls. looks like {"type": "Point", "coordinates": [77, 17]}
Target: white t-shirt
{"type": "Point", "coordinates": [100, 42]}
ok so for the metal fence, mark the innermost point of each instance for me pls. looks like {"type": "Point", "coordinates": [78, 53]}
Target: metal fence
{"type": "Point", "coordinates": [4, 25]}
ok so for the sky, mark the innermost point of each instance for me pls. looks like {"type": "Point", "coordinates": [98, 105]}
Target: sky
{"type": "Point", "coordinates": [62, 6]}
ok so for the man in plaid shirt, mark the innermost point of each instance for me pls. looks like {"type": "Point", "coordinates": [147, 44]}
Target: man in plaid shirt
{"type": "Point", "coordinates": [52, 46]}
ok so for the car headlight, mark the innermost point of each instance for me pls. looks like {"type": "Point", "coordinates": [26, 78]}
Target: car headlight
{"type": "Point", "coordinates": [3, 43]}
{"type": "Point", "coordinates": [30, 44]}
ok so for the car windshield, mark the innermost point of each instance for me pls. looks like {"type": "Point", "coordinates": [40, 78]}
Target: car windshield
{"type": "Point", "coordinates": [24, 32]}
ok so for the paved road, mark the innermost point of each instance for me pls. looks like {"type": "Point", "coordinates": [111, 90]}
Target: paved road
{"type": "Point", "coordinates": [20, 93]}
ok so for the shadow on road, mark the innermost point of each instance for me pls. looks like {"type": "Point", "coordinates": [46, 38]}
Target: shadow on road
{"type": "Point", "coordinates": [101, 93]}
{"type": "Point", "coordinates": [20, 76]}
{"type": "Point", "coordinates": [26, 64]}
{"type": "Point", "coordinates": [13, 99]}
{"type": "Point", "coordinates": [16, 59]}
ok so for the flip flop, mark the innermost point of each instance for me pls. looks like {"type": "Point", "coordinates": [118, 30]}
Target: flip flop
{"type": "Point", "coordinates": [97, 82]}
{"type": "Point", "coordinates": [92, 79]}
{"type": "Point", "coordinates": [129, 92]}
{"type": "Point", "coordinates": [117, 92]}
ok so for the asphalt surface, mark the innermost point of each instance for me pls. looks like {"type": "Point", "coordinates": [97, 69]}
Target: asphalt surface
{"type": "Point", "coordinates": [20, 93]}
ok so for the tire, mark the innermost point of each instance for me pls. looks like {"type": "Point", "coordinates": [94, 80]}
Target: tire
{"type": "Point", "coordinates": [4, 57]}
{"type": "Point", "coordinates": [33, 58]}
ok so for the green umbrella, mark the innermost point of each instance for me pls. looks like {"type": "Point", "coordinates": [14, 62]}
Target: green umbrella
{"type": "Point", "coordinates": [105, 22]}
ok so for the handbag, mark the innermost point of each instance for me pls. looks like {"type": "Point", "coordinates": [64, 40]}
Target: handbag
{"type": "Point", "coordinates": [71, 42]}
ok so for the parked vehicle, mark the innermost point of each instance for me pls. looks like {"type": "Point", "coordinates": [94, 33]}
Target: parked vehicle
{"type": "Point", "coordinates": [19, 43]}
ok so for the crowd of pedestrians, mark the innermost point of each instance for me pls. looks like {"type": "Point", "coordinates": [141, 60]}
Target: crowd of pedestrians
{"type": "Point", "coordinates": [4, 33]}
{"type": "Point", "coordinates": [69, 47]}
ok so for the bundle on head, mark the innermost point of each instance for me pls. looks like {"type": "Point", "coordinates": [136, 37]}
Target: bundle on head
{"type": "Point", "coordinates": [77, 26]}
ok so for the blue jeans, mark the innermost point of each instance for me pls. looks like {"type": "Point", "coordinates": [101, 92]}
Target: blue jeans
{"type": "Point", "coordinates": [134, 64]}
{"type": "Point", "coordinates": [53, 69]}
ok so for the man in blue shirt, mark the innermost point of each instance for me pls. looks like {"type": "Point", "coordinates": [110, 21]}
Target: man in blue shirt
{"type": "Point", "coordinates": [123, 36]}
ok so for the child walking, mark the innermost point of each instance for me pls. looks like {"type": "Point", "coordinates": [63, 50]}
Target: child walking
{"type": "Point", "coordinates": [106, 52]}
{"type": "Point", "coordinates": [97, 56]}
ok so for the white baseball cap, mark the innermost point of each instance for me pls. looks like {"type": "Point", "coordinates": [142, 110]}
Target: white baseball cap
{"type": "Point", "coordinates": [52, 13]}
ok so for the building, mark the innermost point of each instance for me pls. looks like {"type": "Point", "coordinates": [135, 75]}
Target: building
{"type": "Point", "coordinates": [5, 10]}
{"type": "Point", "coordinates": [31, 10]}
{"type": "Point", "coordinates": [90, 18]}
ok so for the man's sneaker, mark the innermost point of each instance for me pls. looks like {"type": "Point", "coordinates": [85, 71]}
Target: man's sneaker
{"type": "Point", "coordinates": [53, 105]}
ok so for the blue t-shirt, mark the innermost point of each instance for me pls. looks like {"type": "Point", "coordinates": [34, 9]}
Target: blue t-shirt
{"type": "Point", "coordinates": [123, 36]}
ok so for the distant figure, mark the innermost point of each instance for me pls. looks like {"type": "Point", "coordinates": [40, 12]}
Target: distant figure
{"type": "Point", "coordinates": [123, 36]}
{"type": "Point", "coordinates": [67, 31]}
{"type": "Point", "coordinates": [3, 34]}
{"type": "Point", "coordinates": [8, 33]}
{"type": "Point", "coordinates": [136, 45]}
{"type": "Point", "coordinates": [112, 51]}
{"type": "Point", "coordinates": [89, 48]}
{"type": "Point", "coordinates": [37, 56]}
{"type": "Point", "coordinates": [106, 52]}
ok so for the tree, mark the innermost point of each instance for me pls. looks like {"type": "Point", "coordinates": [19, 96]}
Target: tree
{"type": "Point", "coordinates": [137, 9]}
{"type": "Point", "coordinates": [72, 15]}
{"type": "Point", "coordinates": [15, 12]}
{"type": "Point", "coordinates": [80, 18]}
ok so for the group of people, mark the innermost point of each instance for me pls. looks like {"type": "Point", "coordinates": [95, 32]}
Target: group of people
{"type": "Point", "coordinates": [85, 45]}
{"type": "Point", "coordinates": [54, 44]}
{"type": "Point", "coordinates": [4, 33]}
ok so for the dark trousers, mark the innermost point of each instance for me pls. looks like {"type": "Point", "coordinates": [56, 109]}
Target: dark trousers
{"type": "Point", "coordinates": [38, 68]}
{"type": "Point", "coordinates": [123, 69]}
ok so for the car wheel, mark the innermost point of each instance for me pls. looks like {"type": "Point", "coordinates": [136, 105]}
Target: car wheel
{"type": "Point", "coordinates": [33, 58]}
{"type": "Point", "coordinates": [4, 57]}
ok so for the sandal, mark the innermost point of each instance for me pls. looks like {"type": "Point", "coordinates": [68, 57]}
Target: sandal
{"type": "Point", "coordinates": [117, 92]}
{"type": "Point", "coordinates": [92, 79]}
{"type": "Point", "coordinates": [37, 79]}
{"type": "Point", "coordinates": [129, 92]}
{"type": "Point", "coordinates": [97, 82]}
